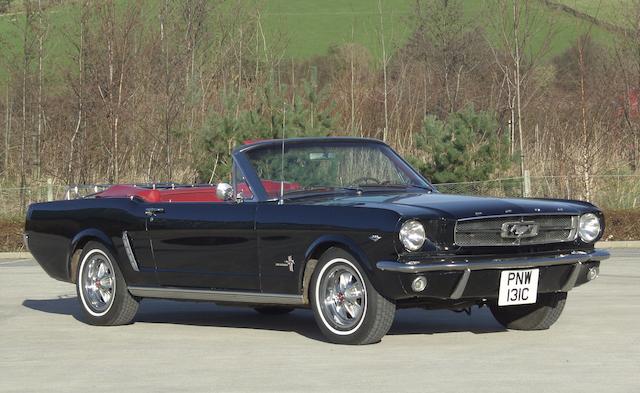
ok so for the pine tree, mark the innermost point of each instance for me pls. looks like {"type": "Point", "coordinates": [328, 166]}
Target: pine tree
{"type": "Point", "coordinates": [465, 147]}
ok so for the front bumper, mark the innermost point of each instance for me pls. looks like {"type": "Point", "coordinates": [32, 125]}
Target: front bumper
{"type": "Point", "coordinates": [568, 269]}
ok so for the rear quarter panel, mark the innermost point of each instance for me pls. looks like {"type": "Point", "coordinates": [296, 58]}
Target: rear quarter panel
{"type": "Point", "coordinates": [55, 228]}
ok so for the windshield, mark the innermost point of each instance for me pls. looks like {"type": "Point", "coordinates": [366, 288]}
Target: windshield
{"type": "Point", "coordinates": [329, 166]}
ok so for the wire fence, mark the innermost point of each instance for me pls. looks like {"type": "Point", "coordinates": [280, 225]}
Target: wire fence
{"type": "Point", "coordinates": [606, 191]}
{"type": "Point", "coordinates": [14, 200]}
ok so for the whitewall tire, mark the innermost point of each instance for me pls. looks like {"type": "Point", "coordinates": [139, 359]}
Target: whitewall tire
{"type": "Point", "coordinates": [102, 291]}
{"type": "Point", "coordinates": [347, 308]}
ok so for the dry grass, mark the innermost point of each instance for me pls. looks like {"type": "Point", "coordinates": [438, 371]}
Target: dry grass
{"type": "Point", "coordinates": [622, 224]}
{"type": "Point", "coordinates": [11, 230]}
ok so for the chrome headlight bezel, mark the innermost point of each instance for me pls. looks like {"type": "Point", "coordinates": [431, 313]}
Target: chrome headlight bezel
{"type": "Point", "coordinates": [589, 227]}
{"type": "Point", "coordinates": [412, 235]}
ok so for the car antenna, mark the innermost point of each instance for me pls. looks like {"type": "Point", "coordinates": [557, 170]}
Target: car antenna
{"type": "Point", "coordinates": [284, 117]}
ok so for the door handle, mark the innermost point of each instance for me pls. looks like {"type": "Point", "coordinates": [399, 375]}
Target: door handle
{"type": "Point", "coordinates": [152, 211]}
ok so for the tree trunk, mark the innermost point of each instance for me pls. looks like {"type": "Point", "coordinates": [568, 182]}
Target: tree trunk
{"type": "Point", "coordinates": [7, 134]}
{"type": "Point", "coordinates": [76, 131]}
{"type": "Point", "coordinates": [167, 88]}
{"type": "Point", "coordinates": [25, 82]}
{"type": "Point", "coordinates": [37, 164]}
{"type": "Point", "coordinates": [385, 135]}
{"type": "Point", "coordinates": [353, 103]}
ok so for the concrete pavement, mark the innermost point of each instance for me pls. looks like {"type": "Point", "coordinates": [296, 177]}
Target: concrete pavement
{"type": "Point", "coordinates": [180, 346]}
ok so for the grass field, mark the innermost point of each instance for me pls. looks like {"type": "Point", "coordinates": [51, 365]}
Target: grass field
{"type": "Point", "coordinates": [612, 11]}
{"type": "Point", "coordinates": [311, 27]}
{"type": "Point", "coordinates": [306, 28]}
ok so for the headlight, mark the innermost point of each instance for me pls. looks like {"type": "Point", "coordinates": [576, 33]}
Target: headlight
{"type": "Point", "coordinates": [412, 235]}
{"type": "Point", "coordinates": [589, 227]}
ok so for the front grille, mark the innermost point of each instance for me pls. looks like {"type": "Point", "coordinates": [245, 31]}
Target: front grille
{"type": "Point", "coordinates": [515, 230]}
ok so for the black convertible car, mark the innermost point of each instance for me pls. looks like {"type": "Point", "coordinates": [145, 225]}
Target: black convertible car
{"type": "Point", "coordinates": [341, 225]}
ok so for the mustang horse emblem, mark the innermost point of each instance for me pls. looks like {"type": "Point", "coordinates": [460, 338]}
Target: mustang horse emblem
{"type": "Point", "coordinates": [519, 229]}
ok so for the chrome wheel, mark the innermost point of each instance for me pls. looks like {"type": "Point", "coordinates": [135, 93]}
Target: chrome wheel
{"type": "Point", "coordinates": [98, 282]}
{"type": "Point", "coordinates": [343, 297]}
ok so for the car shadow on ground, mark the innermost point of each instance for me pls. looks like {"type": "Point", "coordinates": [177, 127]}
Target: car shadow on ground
{"type": "Point", "coordinates": [407, 321]}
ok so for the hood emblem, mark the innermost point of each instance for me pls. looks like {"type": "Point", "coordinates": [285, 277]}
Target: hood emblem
{"type": "Point", "coordinates": [519, 230]}
{"type": "Point", "coordinates": [289, 262]}
{"type": "Point", "coordinates": [375, 237]}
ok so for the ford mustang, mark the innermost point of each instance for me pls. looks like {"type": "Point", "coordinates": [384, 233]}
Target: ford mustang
{"type": "Point", "coordinates": [343, 226]}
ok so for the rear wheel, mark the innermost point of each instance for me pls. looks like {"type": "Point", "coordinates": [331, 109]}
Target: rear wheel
{"type": "Point", "coordinates": [539, 316]}
{"type": "Point", "coordinates": [102, 291]}
{"type": "Point", "coordinates": [347, 308]}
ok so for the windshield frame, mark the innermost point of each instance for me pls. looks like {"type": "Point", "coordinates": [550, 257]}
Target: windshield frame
{"type": "Point", "coordinates": [241, 157]}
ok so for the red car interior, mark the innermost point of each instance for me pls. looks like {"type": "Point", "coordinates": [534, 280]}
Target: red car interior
{"type": "Point", "coordinates": [205, 193]}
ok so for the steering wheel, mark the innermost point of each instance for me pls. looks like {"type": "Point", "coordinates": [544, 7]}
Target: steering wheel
{"type": "Point", "coordinates": [364, 180]}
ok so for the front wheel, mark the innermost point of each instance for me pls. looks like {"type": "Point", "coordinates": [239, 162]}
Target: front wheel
{"type": "Point", "coordinates": [347, 308]}
{"type": "Point", "coordinates": [102, 291]}
{"type": "Point", "coordinates": [539, 316]}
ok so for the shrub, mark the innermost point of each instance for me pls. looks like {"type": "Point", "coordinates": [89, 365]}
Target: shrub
{"type": "Point", "coordinates": [466, 147]}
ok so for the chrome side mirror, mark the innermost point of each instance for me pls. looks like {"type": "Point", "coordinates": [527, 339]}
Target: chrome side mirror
{"type": "Point", "coordinates": [224, 191]}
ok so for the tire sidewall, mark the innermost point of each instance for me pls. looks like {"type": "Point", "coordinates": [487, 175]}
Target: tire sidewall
{"type": "Point", "coordinates": [329, 259]}
{"type": "Point", "coordinates": [119, 287]}
{"type": "Point", "coordinates": [317, 298]}
{"type": "Point", "coordinates": [83, 263]}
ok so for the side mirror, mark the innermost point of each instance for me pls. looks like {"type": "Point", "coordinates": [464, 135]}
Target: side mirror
{"type": "Point", "coordinates": [224, 191]}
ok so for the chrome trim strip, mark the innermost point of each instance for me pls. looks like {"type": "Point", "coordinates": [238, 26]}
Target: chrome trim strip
{"type": "Point", "coordinates": [462, 285]}
{"type": "Point", "coordinates": [575, 223]}
{"type": "Point", "coordinates": [129, 251]}
{"type": "Point", "coordinates": [573, 278]}
{"type": "Point", "coordinates": [518, 215]}
{"type": "Point", "coordinates": [217, 296]}
{"type": "Point", "coordinates": [493, 263]}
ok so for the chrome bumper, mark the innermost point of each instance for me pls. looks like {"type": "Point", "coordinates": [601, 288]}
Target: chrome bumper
{"type": "Point", "coordinates": [493, 263]}
{"type": "Point", "coordinates": [576, 258]}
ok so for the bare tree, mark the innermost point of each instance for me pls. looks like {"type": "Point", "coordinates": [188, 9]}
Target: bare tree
{"type": "Point", "coordinates": [111, 67]}
{"type": "Point", "coordinates": [41, 32]}
{"type": "Point", "coordinates": [79, 90]}
{"type": "Point", "coordinates": [518, 24]}
{"type": "Point", "coordinates": [443, 43]}
{"type": "Point", "coordinates": [385, 60]}
{"type": "Point", "coordinates": [627, 55]}
{"type": "Point", "coordinates": [7, 132]}
{"type": "Point", "coordinates": [27, 58]}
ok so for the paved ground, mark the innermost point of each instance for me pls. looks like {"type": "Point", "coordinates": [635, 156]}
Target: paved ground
{"type": "Point", "coordinates": [176, 346]}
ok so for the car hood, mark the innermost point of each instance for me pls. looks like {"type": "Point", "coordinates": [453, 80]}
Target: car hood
{"type": "Point", "coordinates": [455, 206]}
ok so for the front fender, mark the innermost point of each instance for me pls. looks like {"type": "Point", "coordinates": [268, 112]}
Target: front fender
{"type": "Point", "coordinates": [321, 244]}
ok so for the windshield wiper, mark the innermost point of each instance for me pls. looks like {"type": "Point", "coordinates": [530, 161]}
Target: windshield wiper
{"type": "Point", "coordinates": [358, 189]}
{"type": "Point", "coordinates": [320, 191]}
{"type": "Point", "coordinates": [427, 188]}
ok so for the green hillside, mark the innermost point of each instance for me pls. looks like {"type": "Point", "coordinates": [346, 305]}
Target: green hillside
{"type": "Point", "coordinates": [312, 27]}
{"type": "Point", "coordinates": [306, 28]}
{"type": "Point", "coordinates": [612, 11]}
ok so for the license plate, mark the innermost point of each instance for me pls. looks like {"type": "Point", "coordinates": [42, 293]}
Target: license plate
{"type": "Point", "coordinates": [518, 287]}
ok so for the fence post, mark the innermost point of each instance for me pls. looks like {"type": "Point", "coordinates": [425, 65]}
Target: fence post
{"type": "Point", "coordinates": [526, 184]}
{"type": "Point", "coordinates": [49, 189]}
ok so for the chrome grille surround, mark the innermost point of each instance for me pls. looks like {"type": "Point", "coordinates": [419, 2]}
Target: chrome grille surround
{"type": "Point", "coordinates": [490, 231]}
